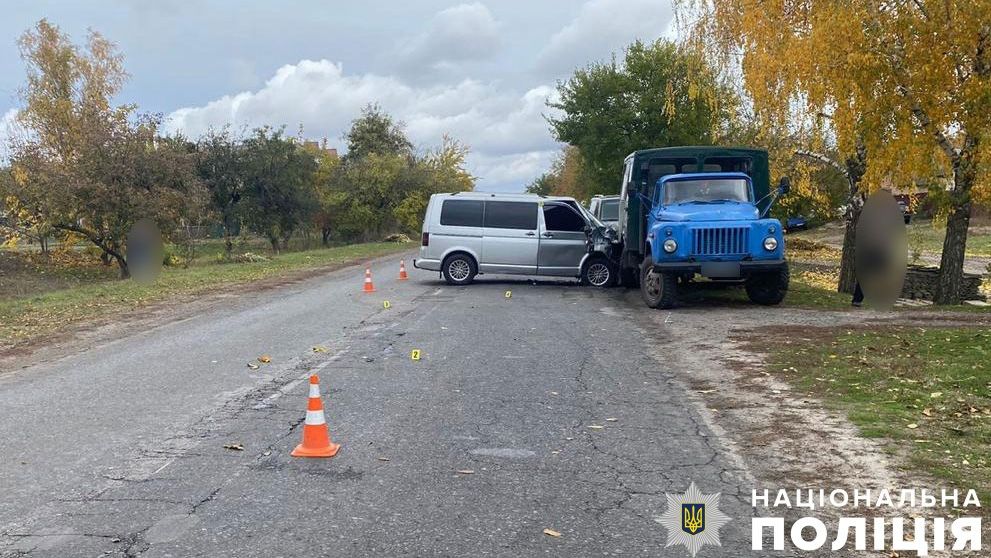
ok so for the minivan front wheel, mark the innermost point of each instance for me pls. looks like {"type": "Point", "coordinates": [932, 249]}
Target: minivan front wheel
{"type": "Point", "coordinates": [459, 269]}
{"type": "Point", "coordinates": [598, 272]}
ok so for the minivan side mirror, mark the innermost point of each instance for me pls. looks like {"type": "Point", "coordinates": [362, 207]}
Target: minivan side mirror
{"type": "Point", "coordinates": [784, 186]}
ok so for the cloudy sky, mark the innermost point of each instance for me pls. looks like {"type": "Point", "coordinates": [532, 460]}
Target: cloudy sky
{"type": "Point", "coordinates": [479, 71]}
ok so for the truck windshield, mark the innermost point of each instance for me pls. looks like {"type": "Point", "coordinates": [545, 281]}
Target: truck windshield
{"type": "Point", "coordinates": [706, 191]}
{"type": "Point", "coordinates": [609, 210]}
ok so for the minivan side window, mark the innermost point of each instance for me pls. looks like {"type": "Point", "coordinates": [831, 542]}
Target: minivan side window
{"type": "Point", "coordinates": [562, 218]}
{"type": "Point", "coordinates": [461, 213]}
{"type": "Point", "coordinates": [511, 215]}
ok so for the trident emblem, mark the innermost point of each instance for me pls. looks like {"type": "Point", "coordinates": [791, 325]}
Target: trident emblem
{"type": "Point", "coordinates": [693, 518]}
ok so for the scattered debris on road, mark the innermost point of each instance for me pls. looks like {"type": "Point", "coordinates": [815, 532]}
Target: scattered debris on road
{"type": "Point", "coordinates": [236, 446]}
{"type": "Point", "coordinates": [264, 359]}
{"type": "Point", "coordinates": [552, 533]}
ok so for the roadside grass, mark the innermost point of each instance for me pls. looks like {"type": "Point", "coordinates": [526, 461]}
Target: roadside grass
{"type": "Point", "coordinates": [926, 391]}
{"type": "Point", "coordinates": [922, 234]}
{"type": "Point", "coordinates": [815, 273]}
{"type": "Point", "coordinates": [27, 317]}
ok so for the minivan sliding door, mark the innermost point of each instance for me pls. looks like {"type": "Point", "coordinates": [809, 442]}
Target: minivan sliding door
{"type": "Point", "coordinates": [509, 238]}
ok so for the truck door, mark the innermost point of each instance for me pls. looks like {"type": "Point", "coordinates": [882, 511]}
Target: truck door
{"type": "Point", "coordinates": [562, 240]}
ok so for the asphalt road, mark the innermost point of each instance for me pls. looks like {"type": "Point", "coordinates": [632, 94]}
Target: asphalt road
{"type": "Point", "coordinates": [119, 450]}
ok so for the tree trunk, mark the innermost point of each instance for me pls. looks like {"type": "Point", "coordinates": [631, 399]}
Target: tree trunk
{"type": "Point", "coordinates": [848, 276]}
{"type": "Point", "coordinates": [326, 236]}
{"type": "Point", "coordinates": [106, 258]}
{"type": "Point", "coordinates": [275, 244]}
{"type": "Point", "coordinates": [228, 223]}
{"type": "Point", "coordinates": [856, 166]}
{"type": "Point", "coordinates": [125, 273]}
{"type": "Point", "coordinates": [954, 251]}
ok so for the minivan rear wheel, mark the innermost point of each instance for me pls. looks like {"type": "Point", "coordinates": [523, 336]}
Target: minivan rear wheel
{"type": "Point", "coordinates": [459, 269]}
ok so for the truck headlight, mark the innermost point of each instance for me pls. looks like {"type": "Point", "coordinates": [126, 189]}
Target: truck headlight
{"type": "Point", "coordinates": [670, 246]}
{"type": "Point", "coordinates": [770, 244]}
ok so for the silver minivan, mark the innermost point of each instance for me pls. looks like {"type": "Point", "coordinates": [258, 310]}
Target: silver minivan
{"type": "Point", "coordinates": [470, 233]}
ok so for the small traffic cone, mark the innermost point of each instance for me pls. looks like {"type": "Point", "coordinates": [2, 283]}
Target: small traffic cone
{"type": "Point", "coordinates": [316, 435]}
{"type": "Point", "coordinates": [369, 287]}
{"type": "Point", "coordinates": [402, 270]}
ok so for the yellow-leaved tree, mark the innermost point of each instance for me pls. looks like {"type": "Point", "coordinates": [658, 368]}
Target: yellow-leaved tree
{"type": "Point", "coordinates": [900, 91]}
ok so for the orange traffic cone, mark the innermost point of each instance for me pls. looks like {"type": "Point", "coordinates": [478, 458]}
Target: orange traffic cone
{"type": "Point", "coordinates": [316, 435]}
{"type": "Point", "coordinates": [369, 287]}
{"type": "Point", "coordinates": [402, 270]}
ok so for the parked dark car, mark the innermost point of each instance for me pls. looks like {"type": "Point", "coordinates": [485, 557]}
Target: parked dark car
{"type": "Point", "coordinates": [797, 223]}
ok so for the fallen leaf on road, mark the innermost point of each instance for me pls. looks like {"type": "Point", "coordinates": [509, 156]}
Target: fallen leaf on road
{"type": "Point", "coordinates": [912, 426]}
{"type": "Point", "coordinates": [553, 393]}
{"type": "Point", "coordinates": [466, 472]}
{"type": "Point", "coordinates": [611, 419]}
{"type": "Point", "coordinates": [596, 427]}
{"type": "Point", "coordinates": [927, 412]}
{"type": "Point", "coordinates": [235, 446]}
{"type": "Point", "coordinates": [264, 359]}
{"type": "Point", "coordinates": [552, 533]}
{"type": "Point", "coordinates": [319, 349]}
{"type": "Point", "coordinates": [253, 366]}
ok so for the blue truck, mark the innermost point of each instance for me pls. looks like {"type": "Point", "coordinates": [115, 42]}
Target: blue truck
{"type": "Point", "coordinates": [700, 211]}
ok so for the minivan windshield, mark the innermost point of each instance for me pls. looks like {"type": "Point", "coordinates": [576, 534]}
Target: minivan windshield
{"type": "Point", "coordinates": [714, 190]}
{"type": "Point", "coordinates": [609, 210]}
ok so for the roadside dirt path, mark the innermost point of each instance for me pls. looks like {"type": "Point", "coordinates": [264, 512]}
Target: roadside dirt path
{"type": "Point", "coordinates": [788, 438]}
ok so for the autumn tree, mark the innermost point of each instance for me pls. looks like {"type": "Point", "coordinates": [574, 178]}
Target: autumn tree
{"type": "Point", "coordinates": [439, 170]}
{"type": "Point", "coordinates": [375, 131]}
{"type": "Point", "coordinates": [86, 168]}
{"type": "Point", "coordinates": [278, 194]}
{"type": "Point", "coordinates": [658, 96]}
{"type": "Point", "coordinates": [327, 164]}
{"type": "Point", "coordinates": [568, 176]}
{"type": "Point", "coordinates": [220, 166]}
{"type": "Point", "coordinates": [901, 90]}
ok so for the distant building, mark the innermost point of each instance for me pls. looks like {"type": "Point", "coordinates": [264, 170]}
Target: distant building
{"type": "Point", "coordinates": [322, 146]}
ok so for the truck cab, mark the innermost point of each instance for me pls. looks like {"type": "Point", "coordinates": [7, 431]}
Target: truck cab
{"type": "Point", "coordinates": [700, 211]}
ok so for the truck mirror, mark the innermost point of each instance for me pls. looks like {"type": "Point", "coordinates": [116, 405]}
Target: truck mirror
{"type": "Point", "coordinates": [784, 186]}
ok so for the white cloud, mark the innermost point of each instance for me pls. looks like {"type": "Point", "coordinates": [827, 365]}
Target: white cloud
{"type": "Point", "coordinates": [10, 131]}
{"type": "Point", "coordinates": [601, 28]}
{"type": "Point", "coordinates": [460, 33]}
{"type": "Point", "coordinates": [507, 131]}
{"type": "Point", "coordinates": [510, 173]}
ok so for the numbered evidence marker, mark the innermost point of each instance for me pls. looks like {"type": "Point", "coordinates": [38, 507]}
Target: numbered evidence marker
{"type": "Point", "coordinates": [509, 294]}
{"type": "Point", "coordinates": [386, 304]}
{"type": "Point", "coordinates": [415, 354]}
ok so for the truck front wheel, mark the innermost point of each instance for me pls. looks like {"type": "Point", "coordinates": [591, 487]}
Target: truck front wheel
{"type": "Point", "coordinates": [659, 290]}
{"type": "Point", "coordinates": [768, 288]}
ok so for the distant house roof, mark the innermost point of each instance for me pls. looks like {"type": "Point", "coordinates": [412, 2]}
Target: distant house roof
{"type": "Point", "coordinates": [321, 145]}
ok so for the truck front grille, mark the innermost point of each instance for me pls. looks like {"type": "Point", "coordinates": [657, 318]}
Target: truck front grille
{"type": "Point", "coordinates": [722, 241]}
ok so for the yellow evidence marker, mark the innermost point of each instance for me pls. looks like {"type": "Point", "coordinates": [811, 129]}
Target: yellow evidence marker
{"type": "Point", "coordinates": [509, 294]}
{"type": "Point", "coordinates": [415, 354]}
{"type": "Point", "coordinates": [386, 304]}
